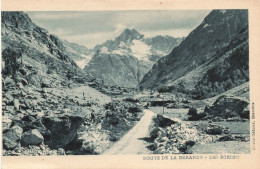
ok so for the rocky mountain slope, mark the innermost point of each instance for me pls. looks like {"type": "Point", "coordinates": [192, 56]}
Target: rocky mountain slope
{"type": "Point", "coordinates": [211, 55]}
{"type": "Point", "coordinates": [124, 60]}
{"type": "Point", "coordinates": [43, 57]}
{"type": "Point", "coordinates": [37, 75]}
{"type": "Point", "coordinates": [48, 106]}
{"type": "Point", "coordinates": [80, 54]}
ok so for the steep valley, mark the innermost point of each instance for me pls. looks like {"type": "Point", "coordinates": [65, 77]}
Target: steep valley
{"type": "Point", "coordinates": [211, 44]}
{"type": "Point", "coordinates": [48, 106]}
{"type": "Point", "coordinates": [130, 95]}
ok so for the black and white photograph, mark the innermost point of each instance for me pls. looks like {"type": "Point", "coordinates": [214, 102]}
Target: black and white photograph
{"type": "Point", "coordinates": [125, 82]}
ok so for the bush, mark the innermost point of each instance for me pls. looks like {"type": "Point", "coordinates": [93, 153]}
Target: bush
{"type": "Point", "coordinates": [12, 64]}
{"type": "Point", "coordinates": [193, 111]}
{"type": "Point", "coordinates": [131, 100]}
{"type": "Point", "coordinates": [194, 115]}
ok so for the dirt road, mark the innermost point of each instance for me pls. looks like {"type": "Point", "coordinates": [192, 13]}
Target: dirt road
{"type": "Point", "coordinates": [132, 142]}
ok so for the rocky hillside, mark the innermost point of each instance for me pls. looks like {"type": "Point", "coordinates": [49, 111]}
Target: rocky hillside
{"type": "Point", "coordinates": [42, 57]}
{"type": "Point", "coordinates": [209, 54]}
{"type": "Point", "coordinates": [124, 60]}
{"type": "Point", "coordinates": [80, 54]}
{"type": "Point", "coordinates": [227, 69]}
{"type": "Point", "coordinates": [47, 106]}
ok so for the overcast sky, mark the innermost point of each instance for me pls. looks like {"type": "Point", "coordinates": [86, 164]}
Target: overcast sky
{"type": "Point", "coordinates": [95, 27]}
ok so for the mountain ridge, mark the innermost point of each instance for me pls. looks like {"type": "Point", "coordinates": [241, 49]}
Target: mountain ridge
{"type": "Point", "coordinates": [215, 32]}
{"type": "Point", "coordinates": [129, 47]}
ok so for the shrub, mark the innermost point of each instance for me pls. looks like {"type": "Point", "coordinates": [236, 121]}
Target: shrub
{"type": "Point", "coordinates": [194, 115]}
{"type": "Point", "coordinates": [193, 111]}
{"type": "Point", "coordinates": [12, 64]}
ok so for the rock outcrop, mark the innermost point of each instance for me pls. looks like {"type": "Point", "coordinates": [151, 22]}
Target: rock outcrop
{"type": "Point", "coordinates": [178, 138]}
{"type": "Point", "coordinates": [119, 118]}
{"type": "Point", "coordinates": [29, 122]}
{"type": "Point", "coordinates": [62, 130]}
{"type": "Point", "coordinates": [35, 57]}
{"type": "Point", "coordinates": [32, 137]}
{"type": "Point", "coordinates": [38, 73]}
{"type": "Point", "coordinates": [162, 121]}
{"type": "Point", "coordinates": [228, 106]}
{"type": "Point", "coordinates": [12, 137]}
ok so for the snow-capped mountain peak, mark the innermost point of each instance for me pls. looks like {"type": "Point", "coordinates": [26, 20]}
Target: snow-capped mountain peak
{"type": "Point", "coordinates": [140, 50]}
{"type": "Point", "coordinates": [124, 60]}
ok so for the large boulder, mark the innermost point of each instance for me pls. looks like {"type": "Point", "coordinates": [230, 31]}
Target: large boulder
{"type": "Point", "coordinates": [116, 123]}
{"type": "Point", "coordinates": [12, 137]}
{"type": "Point", "coordinates": [214, 129]}
{"type": "Point", "coordinates": [246, 112]}
{"type": "Point", "coordinates": [63, 130]}
{"type": "Point", "coordinates": [46, 84]}
{"type": "Point", "coordinates": [163, 121]}
{"type": "Point", "coordinates": [32, 137]}
{"type": "Point", "coordinates": [9, 81]}
{"type": "Point", "coordinates": [16, 104]}
{"type": "Point", "coordinates": [227, 106]}
{"type": "Point", "coordinates": [95, 141]}
{"type": "Point", "coordinates": [23, 81]}
{"type": "Point", "coordinates": [6, 122]}
{"type": "Point", "coordinates": [29, 122]}
{"type": "Point", "coordinates": [111, 118]}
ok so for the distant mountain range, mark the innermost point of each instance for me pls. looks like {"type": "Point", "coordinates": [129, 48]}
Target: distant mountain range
{"type": "Point", "coordinates": [212, 59]}
{"type": "Point", "coordinates": [124, 60]}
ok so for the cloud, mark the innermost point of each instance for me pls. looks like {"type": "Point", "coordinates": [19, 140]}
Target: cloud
{"type": "Point", "coordinates": [119, 28]}
{"type": "Point", "coordinates": [90, 40]}
{"type": "Point", "coordinates": [90, 28]}
{"type": "Point", "coordinates": [54, 15]}
{"type": "Point", "coordinates": [171, 32]}
{"type": "Point", "coordinates": [61, 31]}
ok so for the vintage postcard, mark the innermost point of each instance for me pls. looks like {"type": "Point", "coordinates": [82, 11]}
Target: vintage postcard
{"type": "Point", "coordinates": [118, 84]}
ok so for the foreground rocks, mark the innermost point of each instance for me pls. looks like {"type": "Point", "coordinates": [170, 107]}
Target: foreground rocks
{"type": "Point", "coordinates": [42, 104]}
{"type": "Point", "coordinates": [120, 117]}
{"type": "Point", "coordinates": [225, 108]}
{"type": "Point", "coordinates": [63, 130]}
{"type": "Point", "coordinates": [228, 106]}
{"type": "Point", "coordinates": [62, 123]}
{"type": "Point", "coordinates": [12, 137]}
{"type": "Point", "coordinates": [33, 116]}
{"type": "Point", "coordinates": [56, 132]}
{"type": "Point", "coordinates": [32, 137]}
{"type": "Point", "coordinates": [94, 140]}
{"type": "Point", "coordinates": [179, 137]}
{"type": "Point", "coordinates": [34, 150]}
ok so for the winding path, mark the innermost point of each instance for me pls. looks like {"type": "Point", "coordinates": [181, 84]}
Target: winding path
{"type": "Point", "coordinates": [133, 142]}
